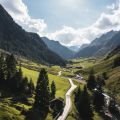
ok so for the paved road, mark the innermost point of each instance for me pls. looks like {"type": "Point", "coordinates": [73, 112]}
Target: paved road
{"type": "Point", "coordinates": [59, 73]}
{"type": "Point", "coordinates": [68, 105]}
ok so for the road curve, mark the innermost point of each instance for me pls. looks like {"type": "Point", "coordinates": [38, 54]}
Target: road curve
{"type": "Point", "coordinates": [59, 73]}
{"type": "Point", "coordinates": [68, 105]}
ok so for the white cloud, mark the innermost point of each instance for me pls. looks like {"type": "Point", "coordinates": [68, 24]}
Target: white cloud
{"type": "Point", "coordinates": [106, 22]}
{"type": "Point", "coordinates": [67, 35]}
{"type": "Point", "coordinates": [70, 4]}
{"type": "Point", "coordinates": [19, 11]}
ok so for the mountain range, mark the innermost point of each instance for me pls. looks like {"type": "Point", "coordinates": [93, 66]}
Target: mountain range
{"type": "Point", "coordinates": [58, 48]}
{"type": "Point", "coordinates": [16, 40]}
{"type": "Point", "coordinates": [100, 46]}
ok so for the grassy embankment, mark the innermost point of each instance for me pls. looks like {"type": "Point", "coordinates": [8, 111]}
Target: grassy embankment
{"type": "Point", "coordinates": [85, 64]}
{"type": "Point", "coordinates": [100, 66]}
{"type": "Point", "coordinates": [12, 111]}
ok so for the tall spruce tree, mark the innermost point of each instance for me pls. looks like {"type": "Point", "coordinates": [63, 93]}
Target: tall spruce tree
{"type": "Point", "coordinates": [104, 75]}
{"type": "Point", "coordinates": [16, 81]}
{"type": "Point", "coordinates": [11, 70]}
{"type": "Point", "coordinates": [77, 96]}
{"type": "Point", "coordinates": [84, 106]}
{"type": "Point", "coordinates": [23, 88]}
{"type": "Point", "coordinates": [98, 100]}
{"type": "Point", "coordinates": [91, 84]}
{"type": "Point", "coordinates": [100, 82]}
{"type": "Point", "coordinates": [11, 65]}
{"type": "Point", "coordinates": [53, 90]}
{"type": "Point", "coordinates": [42, 96]}
{"type": "Point", "coordinates": [31, 87]}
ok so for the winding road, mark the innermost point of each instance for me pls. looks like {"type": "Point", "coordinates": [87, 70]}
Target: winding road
{"type": "Point", "coordinates": [68, 105]}
{"type": "Point", "coordinates": [59, 73]}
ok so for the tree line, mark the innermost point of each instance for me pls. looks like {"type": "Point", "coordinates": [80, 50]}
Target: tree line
{"type": "Point", "coordinates": [13, 83]}
{"type": "Point", "coordinates": [116, 62]}
{"type": "Point", "coordinates": [11, 78]}
{"type": "Point", "coordinates": [91, 98]}
{"type": "Point", "coordinates": [43, 96]}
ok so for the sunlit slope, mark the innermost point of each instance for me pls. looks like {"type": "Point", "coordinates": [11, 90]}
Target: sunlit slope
{"type": "Point", "coordinates": [62, 84]}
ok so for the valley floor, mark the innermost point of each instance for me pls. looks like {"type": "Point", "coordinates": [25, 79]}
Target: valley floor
{"type": "Point", "coordinates": [8, 110]}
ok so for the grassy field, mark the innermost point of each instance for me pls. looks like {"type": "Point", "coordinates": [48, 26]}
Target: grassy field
{"type": "Point", "coordinates": [74, 111]}
{"type": "Point", "coordinates": [62, 84]}
{"type": "Point", "coordinates": [85, 63]}
{"type": "Point", "coordinates": [81, 66]}
{"type": "Point", "coordinates": [100, 66]}
{"type": "Point", "coordinates": [113, 81]}
{"type": "Point", "coordinates": [8, 112]}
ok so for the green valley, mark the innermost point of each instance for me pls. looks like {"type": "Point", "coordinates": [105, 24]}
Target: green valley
{"type": "Point", "coordinates": [55, 70]}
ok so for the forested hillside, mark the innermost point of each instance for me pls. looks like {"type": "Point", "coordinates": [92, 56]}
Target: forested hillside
{"type": "Point", "coordinates": [100, 46]}
{"type": "Point", "coordinates": [16, 40]}
{"type": "Point", "coordinates": [56, 47]}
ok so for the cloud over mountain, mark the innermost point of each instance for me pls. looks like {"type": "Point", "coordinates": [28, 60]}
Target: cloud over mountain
{"type": "Point", "coordinates": [106, 22]}
{"type": "Point", "coordinates": [109, 20]}
{"type": "Point", "coordinates": [19, 11]}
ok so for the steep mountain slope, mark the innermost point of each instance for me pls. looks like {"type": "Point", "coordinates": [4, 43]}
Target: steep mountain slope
{"type": "Point", "coordinates": [56, 47]}
{"type": "Point", "coordinates": [17, 41]}
{"type": "Point", "coordinates": [83, 46]}
{"type": "Point", "coordinates": [100, 46]}
{"type": "Point", "coordinates": [74, 48]}
{"type": "Point", "coordinates": [113, 73]}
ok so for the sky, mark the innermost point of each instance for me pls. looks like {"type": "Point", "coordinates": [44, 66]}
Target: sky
{"type": "Point", "coordinates": [71, 22]}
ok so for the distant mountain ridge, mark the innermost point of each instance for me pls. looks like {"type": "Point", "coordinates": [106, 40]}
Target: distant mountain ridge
{"type": "Point", "coordinates": [75, 48]}
{"type": "Point", "coordinates": [115, 51]}
{"type": "Point", "coordinates": [56, 47]}
{"type": "Point", "coordinates": [19, 42]}
{"type": "Point", "coordinates": [101, 46]}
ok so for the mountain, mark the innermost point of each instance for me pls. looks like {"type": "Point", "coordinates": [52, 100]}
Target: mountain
{"type": "Point", "coordinates": [100, 46]}
{"type": "Point", "coordinates": [107, 65]}
{"type": "Point", "coordinates": [75, 48]}
{"type": "Point", "coordinates": [115, 51]}
{"type": "Point", "coordinates": [112, 43]}
{"type": "Point", "coordinates": [19, 42]}
{"type": "Point", "coordinates": [56, 47]}
{"type": "Point", "coordinates": [83, 46]}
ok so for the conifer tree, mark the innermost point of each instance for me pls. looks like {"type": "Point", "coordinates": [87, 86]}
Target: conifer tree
{"type": "Point", "coordinates": [42, 96]}
{"type": "Point", "coordinates": [23, 87]}
{"type": "Point", "coordinates": [53, 90]}
{"type": "Point", "coordinates": [84, 106]}
{"type": "Point", "coordinates": [11, 65]}
{"type": "Point", "coordinates": [98, 100]}
{"type": "Point", "coordinates": [100, 82]}
{"type": "Point", "coordinates": [104, 75]}
{"type": "Point", "coordinates": [31, 87]}
{"type": "Point", "coordinates": [15, 82]}
{"type": "Point", "coordinates": [10, 72]}
{"type": "Point", "coordinates": [77, 96]}
{"type": "Point", "coordinates": [91, 84]}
